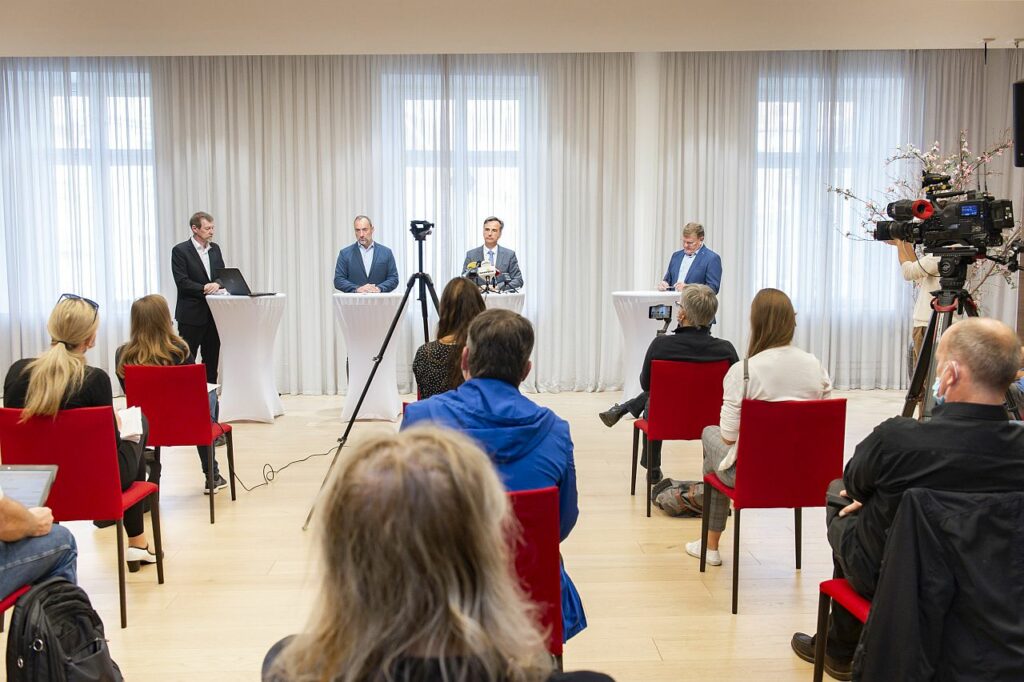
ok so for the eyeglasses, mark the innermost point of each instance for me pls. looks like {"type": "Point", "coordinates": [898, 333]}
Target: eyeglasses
{"type": "Point", "coordinates": [76, 297]}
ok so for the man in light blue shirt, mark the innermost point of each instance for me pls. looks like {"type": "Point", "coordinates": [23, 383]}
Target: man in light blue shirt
{"type": "Point", "coordinates": [365, 267]}
{"type": "Point", "coordinates": [694, 263]}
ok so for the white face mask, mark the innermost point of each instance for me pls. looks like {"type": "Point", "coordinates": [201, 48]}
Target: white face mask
{"type": "Point", "coordinates": [935, 392]}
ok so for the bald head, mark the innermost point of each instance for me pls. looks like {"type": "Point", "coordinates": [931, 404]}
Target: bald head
{"type": "Point", "coordinates": [987, 349]}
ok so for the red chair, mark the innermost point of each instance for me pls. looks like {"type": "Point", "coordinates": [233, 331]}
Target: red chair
{"type": "Point", "coordinates": [9, 601]}
{"type": "Point", "coordinates": [837, 590]}
{"type": "Point", "coordinates": [88, 484]}
{"type": "Point", "coordinates": [538, 563]}
{"type": "Point", "coordinates": [685, 398]}
{"type": "Point", "coordinates": [177, 404]}
{"type": "Point", "coordinates": [788, 453]}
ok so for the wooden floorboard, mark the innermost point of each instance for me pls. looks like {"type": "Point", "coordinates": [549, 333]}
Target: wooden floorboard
{"type": "Point", "coordinates": [234, 588]}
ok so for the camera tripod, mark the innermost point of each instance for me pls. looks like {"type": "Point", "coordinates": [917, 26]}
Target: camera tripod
{"type": "Point", "coordinates": [952, 297]}
{"type": "Point", "coordinates": [420, 229]}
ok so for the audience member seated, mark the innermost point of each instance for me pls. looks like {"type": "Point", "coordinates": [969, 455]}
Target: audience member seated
{"type": "Point", "coordinates": [32, 549]}
{"type": "Point", "coordinates": [968, 446]}
{"type": "Point", "coordinates": [418, 581]}
{"type": "Point", "coordinates": [690, 342]}
{"type": "Point", "coordinates": [529, 444]}
{"type": "Point", "coordinates": [774, 370]}
{"type": "Point", "coordinates": [152, 341]}
{"type": "Point", "coordinates": [438, 364]}
{"type": "Point", "coordinates": [60, 379]}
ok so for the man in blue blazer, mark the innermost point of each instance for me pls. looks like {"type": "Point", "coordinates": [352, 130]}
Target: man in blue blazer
{"type": "Point", "coordinates": [503, 259]}
{"type": "Point", "coordinates": [694, 263]}
{"type": "Point", "coordinates": [365, 267]}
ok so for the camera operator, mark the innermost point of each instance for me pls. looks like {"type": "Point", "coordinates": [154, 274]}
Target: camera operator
{"type": "Point", "coordinates": [925, 271]}
{"type": "Point", "coordinates": [690, 342]}
{"type": "Point", "coordinates": [968, 446]}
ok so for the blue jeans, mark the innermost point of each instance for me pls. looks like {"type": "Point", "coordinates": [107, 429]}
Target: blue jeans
{"type": "Point", "coordinates": [214, 412]}
{"type": "Point", "coordinates": [34, 560]}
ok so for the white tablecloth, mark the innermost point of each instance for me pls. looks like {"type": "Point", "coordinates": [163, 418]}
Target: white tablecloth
{"type": "Point", "coordinates": [510, 301]}
{"type": "Point", "coordinates": [247, 328]}
{"type": "Point", "coordinates": [364, 320]}
{"type": "Point", "coordinates": [637, 331]}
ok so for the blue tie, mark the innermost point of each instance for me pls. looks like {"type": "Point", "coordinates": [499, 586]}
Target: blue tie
{"type": "Point", "coordinates": [490, 257]}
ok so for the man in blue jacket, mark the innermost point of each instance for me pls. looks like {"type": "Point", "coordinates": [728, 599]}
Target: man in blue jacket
{"type": "Point", "coordinates": [694, 263]}
{"type": "Point", "coordinates": [365, 267]}
{"type": "Point", "coordinates": [529, 444]}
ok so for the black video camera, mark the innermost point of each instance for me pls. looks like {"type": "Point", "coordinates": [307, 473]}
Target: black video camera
{"type": "Point", "coordinates": [977, 221]}
{"type": "Point", "coordinates": [420, 229]}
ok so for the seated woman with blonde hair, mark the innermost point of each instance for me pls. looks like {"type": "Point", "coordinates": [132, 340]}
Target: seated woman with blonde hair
{"type": "Point", "coordinates": [773, 370]}
{"type": "Point", "coordinates": [60, 379]}
{"type": "Point", "coordinates": [418, 579]}
{"type": "Point", "coordinates": [152, 341]}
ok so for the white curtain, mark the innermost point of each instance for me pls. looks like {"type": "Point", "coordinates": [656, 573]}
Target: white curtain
{"type": "Point", "coordinates": [286, 151]}
{"type": "Point", "coordinates": [769, 132]}
{"type": "Point", "coordinates": [77, 209]}
{"type": "Point", "coordinates": [593, 161]}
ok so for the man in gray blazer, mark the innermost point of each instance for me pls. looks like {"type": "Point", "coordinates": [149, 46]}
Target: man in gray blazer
{"type": "Point", "coordinates": [365, 267]}
{"type": "Point", "coordinates": [502, 258]}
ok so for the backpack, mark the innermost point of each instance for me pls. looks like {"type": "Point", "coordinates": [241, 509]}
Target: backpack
{"type": "Point", "coordinates": [57, 636]}
{"type": "Point", "coordinates": [680, 498]}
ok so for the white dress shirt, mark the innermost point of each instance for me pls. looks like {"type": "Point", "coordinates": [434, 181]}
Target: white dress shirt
{"type": "Point", "coordinates": [204, 255]}
{"type": "Point", "coordinates": [684, 265]}
{"type": "Point", "coordinates": [493, 262]}
{"type": "Point", "coordinates": [367, 254]}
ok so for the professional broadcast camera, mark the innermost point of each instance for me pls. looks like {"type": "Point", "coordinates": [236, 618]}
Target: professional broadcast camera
{"type": "Point", "coordinates": [977, 221]}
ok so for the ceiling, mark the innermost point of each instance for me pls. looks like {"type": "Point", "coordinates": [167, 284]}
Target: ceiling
{"type": "Point", "coordinates": [219, 27]}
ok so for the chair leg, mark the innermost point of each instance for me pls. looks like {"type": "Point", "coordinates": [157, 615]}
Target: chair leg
{"type": "Point", "coordinates": [820, 638]}
{"type": "Point", "coordinates": [636, 444]}
{"type": "Point", "coordinates": [558, 662]}
{"type": "Point", "coordinates": [120, 572]}
{"type": "Point", "coordinates": [231, 464]}
{"type": "Point", "coordinates": [736, 564]}
{"type": "Point", "coordinates": [209, 478]}
{"type": "Point", "coordinates": [653, 455]}
{"type": "Point", "coordinates": [154, 514]}
{"type": "Point", "coordinates": [798, 525]}
{"type": "Point", "coordinates": [708, 492]}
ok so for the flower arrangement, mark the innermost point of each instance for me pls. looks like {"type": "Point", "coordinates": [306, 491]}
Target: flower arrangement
{"type": "Point", "coordinates": [966, 170]}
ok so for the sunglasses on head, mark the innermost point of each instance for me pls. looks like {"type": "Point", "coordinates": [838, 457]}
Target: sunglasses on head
{"type": "Point", "coordinates": [76, 297]}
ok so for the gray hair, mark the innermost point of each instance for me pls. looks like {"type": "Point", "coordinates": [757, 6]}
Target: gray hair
{"type": "Point", "coordinates": [989, 348]}
{"type": "Point", "coordinates": [495, 219]}
{"type": "Point", "coordinates": [693, 230]}
{"type": "Point", "coordinates": [699, 304]}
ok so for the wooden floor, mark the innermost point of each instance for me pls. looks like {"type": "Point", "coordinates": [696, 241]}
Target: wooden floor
{"type": "Point", "coordinates": [234, 588]}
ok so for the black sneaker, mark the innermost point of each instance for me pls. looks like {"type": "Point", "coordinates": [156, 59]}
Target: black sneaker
{"type": "Point", "coordinates": [613, 414]}
{"type": "Point", "coordinates": [839, 669]}
{"type": "Point", "coordinates": [218, 484]}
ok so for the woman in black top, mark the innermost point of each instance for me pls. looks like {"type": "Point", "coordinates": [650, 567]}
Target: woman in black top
{"type": "Point", "coordinates": [59, 379]}
{"type": "Point", "coordinates": [438, 364]}
{"type": "Point", "coordinates": [152, 341]}
{"type": "Point", "coordinates": [418, 581]}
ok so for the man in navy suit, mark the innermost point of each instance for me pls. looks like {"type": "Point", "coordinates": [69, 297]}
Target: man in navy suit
{"type": "Point", "coordinates": [694, 263]}
{"type": "Point", "coordinates": [365, 267]}
{"type": "Point", "coordinates": [194, 263]}
{"type": "Point", "coordinates": [503, 259]}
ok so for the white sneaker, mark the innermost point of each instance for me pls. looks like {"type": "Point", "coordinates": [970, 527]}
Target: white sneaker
{"type": "Point", "coordinates": [713, 558]}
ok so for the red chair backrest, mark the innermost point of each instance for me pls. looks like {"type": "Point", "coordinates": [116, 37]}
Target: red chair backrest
{"type": "Point", "coordinates": [788, 452]}
{"type": "Point", "coordinates": [685, 398]}
{"type": "Point", "coordinates": [538, 563]}
{"type": "Point", "coordinates": [174, 400]}
{"type": "Point", "coordinates": [82, 444]}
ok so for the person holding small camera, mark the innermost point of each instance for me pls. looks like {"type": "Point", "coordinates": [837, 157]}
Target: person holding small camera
{"type": "Point", "coordinates": [693, 264]}
{"type": "Point", "coordinates": [690, 342]}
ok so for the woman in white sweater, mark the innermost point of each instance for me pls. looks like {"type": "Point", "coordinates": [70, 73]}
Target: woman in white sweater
{"type": "Point", "coordinates": [775, 370]}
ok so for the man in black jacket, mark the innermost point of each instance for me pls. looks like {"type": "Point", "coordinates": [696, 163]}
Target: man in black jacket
{"type": "Point", "coordinates": [193, 265]}
{"type": "Point", "coordinates": [690, 342]}
{"type": "Point", "coordinates": [968, 446]}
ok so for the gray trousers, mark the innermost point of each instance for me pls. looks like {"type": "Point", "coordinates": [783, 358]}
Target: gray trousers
{"type": "Point", "coordinates": [716, 505]}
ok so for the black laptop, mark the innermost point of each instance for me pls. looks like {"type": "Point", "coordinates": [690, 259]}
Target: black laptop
{"type": "Point", "coordinates": [232, 280]}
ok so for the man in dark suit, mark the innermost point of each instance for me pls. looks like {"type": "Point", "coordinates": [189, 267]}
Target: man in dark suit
{"type": "Point", "coordinates": [193, 264]}
{"type": "Point", "coordinates": [694, 263]}
{"type": "Point", "coordinates": [504, 260]}
{"type": "Point", "coordinates": [365, 267]}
